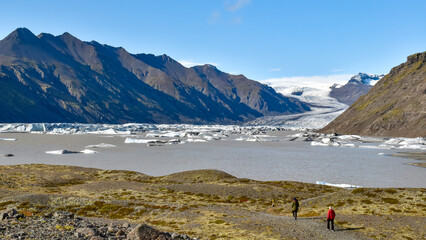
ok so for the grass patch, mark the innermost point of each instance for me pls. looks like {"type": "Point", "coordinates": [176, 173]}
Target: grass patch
{"type": "Point", "coordinates": [358, 190]}
{"type": "Point", "coordinates": [219, 221]}
{"type": "Point", "coordinates": [366, 201]}
{"type": "Point", "coordinates": [390, 200]}
{"type": "Point", "coordinates": [4, 204]}
{"type": "Point", "coordinates": [390, 191]}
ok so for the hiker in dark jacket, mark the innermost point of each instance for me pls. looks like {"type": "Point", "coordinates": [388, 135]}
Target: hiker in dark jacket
{"type": "Point", "coordinates": [330, 218]}
{"type": "Point", "coordinates": [295, 207]}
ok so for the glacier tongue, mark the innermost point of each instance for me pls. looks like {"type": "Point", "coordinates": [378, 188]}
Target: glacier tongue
{"type": "Point", "coordinates": [324, 109]}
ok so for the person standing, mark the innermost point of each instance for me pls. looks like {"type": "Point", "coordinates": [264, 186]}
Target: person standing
{"type": "Point", "coordinates": [295, 207]}
{"type": "Point", "coordinates": [330, 218]}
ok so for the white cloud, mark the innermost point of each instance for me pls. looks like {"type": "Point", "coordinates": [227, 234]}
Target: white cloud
{"type": "Point", "coordinates": [191, 63]}
{"type": "Point", "coordinates": [236, 5]}
{"type": "Point", "coordinates": [319, 82]}
{"type": "Point", "coordinates": [274, 70]}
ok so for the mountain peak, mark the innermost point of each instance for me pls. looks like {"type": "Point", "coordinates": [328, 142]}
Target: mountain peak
{"type": "Point", "coordinates": [23, 35]}
{"type": "Point", "coordinates": [365, 78]}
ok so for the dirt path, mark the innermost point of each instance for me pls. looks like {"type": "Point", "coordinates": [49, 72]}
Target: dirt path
{"type": "Point", "coordinates": [285, 227]}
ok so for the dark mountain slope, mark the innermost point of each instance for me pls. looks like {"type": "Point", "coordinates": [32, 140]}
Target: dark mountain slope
{"type": "Point", "coordinates": [63, 79]}
{"type": "Point", "coordinates": [395, 106]}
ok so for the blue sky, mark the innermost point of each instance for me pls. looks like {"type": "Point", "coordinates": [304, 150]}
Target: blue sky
{"type": "Point", "coordinates": [262, 39]}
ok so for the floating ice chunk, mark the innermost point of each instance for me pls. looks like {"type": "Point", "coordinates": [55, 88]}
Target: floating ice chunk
{"type": "Point", "coordinates": [8, 139]}
{"type": "Point", "coordinates": [209, 137]}
{"type": "Point", "coordinates": [342, 185]}
{"type": "Point", "coordinates": [315, 143]}
{"type": "Point", "coordinates": [152, 135]}
{"type": "Point", "coordinates": [101, 145]}
{"type": "Point", "coordinates": [134, 140]}
{"type": "Point", "coordinates": [111, 131]}
{"type": "Point", "coordinates": [61, 152]}
{"type": "Point", "coordinates": [385, 146]}
{"type": "Point", "coordinates": [175, 141]}
{"type": "Point", "coordinates": [264, 136]}
{"type": "Point", "coordinates": [196, 140]}
{"type": "Point", "coordinates": [381, 154]}
{"type": "Point", "coordinates": [414, 146]}
{"type": "Point", "coordinates": [369, 146]}
{"type": "Point", "coordinates": [349, 137]}
{"type": "Point", "coordinates": [240, 139]}
{"type": "Point", "coordinates": [88, 151]}
{"type": "Point", "coordinates": [325, 143]}
{"type": "Point", "coordinates": [172, 134]}
{"type": "Point", "coordinates": [348, 145]}
{"type": "Point", "coordinates": [413, 141]}
{"type": "Point", "coordinates": [393, 141]}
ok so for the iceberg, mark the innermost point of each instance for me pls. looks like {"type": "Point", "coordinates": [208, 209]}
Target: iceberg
{"type": "Point", "coordinates": [60, 152]}
{"type": "Point", "coordinates": [413, 146]}
{"type": "Point", "coordinates": [196, 140]}
{"type": "Point", "coordinates": [135, 140]}
{"type": "Point", "coordinates": [88, 151]}
{"type": "Point", "coordinates": [101, 145]}
{"type": "Point", "coordinates": [341, 185]}
{"type": "Point", "coordinates": [8, 139]}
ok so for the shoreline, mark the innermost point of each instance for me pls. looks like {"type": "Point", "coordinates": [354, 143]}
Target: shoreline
{"type": "Point", "coordinates": [219, 204]}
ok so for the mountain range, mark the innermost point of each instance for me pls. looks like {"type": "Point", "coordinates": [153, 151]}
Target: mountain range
{"type": "Point", "coordinates": [48, 78]}
{"type": "Point", "coordinates": [395, 106]}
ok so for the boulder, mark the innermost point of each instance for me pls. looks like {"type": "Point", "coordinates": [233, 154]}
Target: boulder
{"type": "Point", "coordinates": [143, 232]}
{"type": "Point", "coordinates": [88, 232]}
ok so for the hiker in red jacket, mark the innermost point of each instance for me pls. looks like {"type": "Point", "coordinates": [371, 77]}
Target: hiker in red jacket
{"type": "Point", "coordinates": [330, 218]}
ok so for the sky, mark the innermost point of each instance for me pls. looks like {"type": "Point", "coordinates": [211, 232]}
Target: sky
{"type": "Point", "coordinates": [312, 40]}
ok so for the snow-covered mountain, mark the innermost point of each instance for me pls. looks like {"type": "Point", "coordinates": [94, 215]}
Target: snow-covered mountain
{"type": "Point", "coordinates": [327, 101]}
{"type": "Point", "coordinates": [357, 86]}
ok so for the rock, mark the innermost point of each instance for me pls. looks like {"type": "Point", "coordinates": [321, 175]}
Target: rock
{"type": "Point", "coordinates": [126, 225]}
{"type": "Point", "coordinates": [143, 232]}
{"type": "Point", "coordinates": [8, 213]}
{"type": "Point", "coordinates": [9, 155]}
{"type": "Point", "coordinates": [78, 235]}
{"type": "Point", "coordinates": [120, 233]}
{"type": "Point", "coordinates": [63, 214]}
{"type": "Point", "coordinates": [96, 238]}
{"type": "Point", "coordinates": [88, 232]}
{"type": "Point", "coordinates": [111, 229]}
{"type": "Point", "coordinates": [161, 237]}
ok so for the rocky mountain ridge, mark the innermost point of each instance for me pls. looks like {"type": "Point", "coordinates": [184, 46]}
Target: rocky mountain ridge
{"type": "Point", "coordinates": [48, 78]}
{"type": "Point", "coordinates": [393, 107]}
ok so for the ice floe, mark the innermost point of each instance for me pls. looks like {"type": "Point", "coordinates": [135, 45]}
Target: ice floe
{"type": "Point", "coordinates": [101, 145]}
{"type": "Point", "coordinates": [61, 152]}
{"type": "Point", "coordinates": [186, 133]}
{"type": "Point", "coordinates": [139, 140]}
{"type": "Point", "coordinates": [88, 151]}
{"type": "Point", "coordinates": [334, 140]}
{"type": "Point", "coordinates": [341, 185]}
{"type": "Point", "coordinates": [8, 139]}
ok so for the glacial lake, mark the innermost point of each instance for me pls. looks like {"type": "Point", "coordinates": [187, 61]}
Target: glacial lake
{"type": "Point", "coordinates": [273, 161]}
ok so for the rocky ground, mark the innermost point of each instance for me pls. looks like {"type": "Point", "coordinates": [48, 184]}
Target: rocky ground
{"type": "Point", "coordinates": [65, 202]}
{"type": "Point", "coordinates": [65, 225]}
